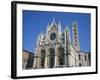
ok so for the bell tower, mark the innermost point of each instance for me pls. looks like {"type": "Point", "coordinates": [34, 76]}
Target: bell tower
{"type": "Point", "coordinates": [75, 36]}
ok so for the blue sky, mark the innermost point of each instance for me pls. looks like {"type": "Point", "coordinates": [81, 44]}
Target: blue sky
{"type": "Point", "coordinates": [36, 21]}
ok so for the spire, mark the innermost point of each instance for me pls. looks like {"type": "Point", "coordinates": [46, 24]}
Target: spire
{"type": "Point", "coordinates": [67, 29]}
{"type": "Point", "coordinates": [68, 33]}
{"type": "Point", "coordinates": [59, 27]}
{"type": "Point", "coordinates": [38, 39]}
{"type": "Point", "coordinates": [74, 24]}
{"type": "Point", "coordinates": [41, 33]}
{"type": "Point", "coordinates": [53, 24]}
{"type": "Point", "coordinates": [47, 29]}
{"type": "Point", "coordinates": [53, 20]}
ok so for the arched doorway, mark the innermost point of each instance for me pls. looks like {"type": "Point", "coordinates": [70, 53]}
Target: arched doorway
{"type": "Point", "coordinates": [61, 56]}
{"type": "Point", "coordinates": [51, 57]}
{"type": "Point", "coordinates": [43, 53]}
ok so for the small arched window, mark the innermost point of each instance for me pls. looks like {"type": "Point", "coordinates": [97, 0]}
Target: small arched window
{"type": "Point", "coordinates": [43, 53]}
{"type": "Point", "coordinates": [79, 56]}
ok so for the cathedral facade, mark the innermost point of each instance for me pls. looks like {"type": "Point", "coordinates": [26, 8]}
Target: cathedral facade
{"type": "Point", "coordinates": [55, 49]}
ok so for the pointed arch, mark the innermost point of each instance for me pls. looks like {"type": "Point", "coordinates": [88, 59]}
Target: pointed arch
{"type": "Point", "coordinates": [51, 57]}
{"type": "Point", "coordinates": [61, 56]}
{"type": "Point", "coordinates": [43, 53]}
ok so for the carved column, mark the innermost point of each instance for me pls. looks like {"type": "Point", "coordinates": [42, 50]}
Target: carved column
{"type": "Point", "coordinates": [56, 57]}
{"type": "Point", "coordinates": [35, 62]}
{"type": "Point", "coordinates": [47, 59]}
{"type": "Point", "coordinates": [39, 60]}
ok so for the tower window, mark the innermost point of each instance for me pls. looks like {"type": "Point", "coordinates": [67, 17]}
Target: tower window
{"type": "Point", "coordinates": [75, 37]}
{"type": "Point", "coordinates": [79, 56]}
{"type": "Point", "coordinates": [75, 40]}
{"type": "Point", "coordinates": [75, 33]}
{"type": "Point", "coordinates": [74, 30]}
{"type": "Point", "coordinates": [75, 44]}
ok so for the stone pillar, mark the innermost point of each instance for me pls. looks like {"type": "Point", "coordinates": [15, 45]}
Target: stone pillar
{"type": "Point", "coordinates": [47, 59]}
{"type": "Point", "coordinates": [39, 60]}
{"type": "Point", "coordinates": [35, 62]}
{"type": "Point", "coordinates": [56, 57]}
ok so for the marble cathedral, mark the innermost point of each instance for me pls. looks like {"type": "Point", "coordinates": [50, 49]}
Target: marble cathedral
{"type": "Point", "coordinates": [55, 49]}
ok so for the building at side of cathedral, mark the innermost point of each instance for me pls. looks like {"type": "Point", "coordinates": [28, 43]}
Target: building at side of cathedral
{"type": "Point", "coordinates": [27, 59]}
{"type": "Point", "coordinates": [55, 49]}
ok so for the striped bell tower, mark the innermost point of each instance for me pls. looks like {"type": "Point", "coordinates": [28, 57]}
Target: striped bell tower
{"type": "Point", "coordinates": [75, 36]}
